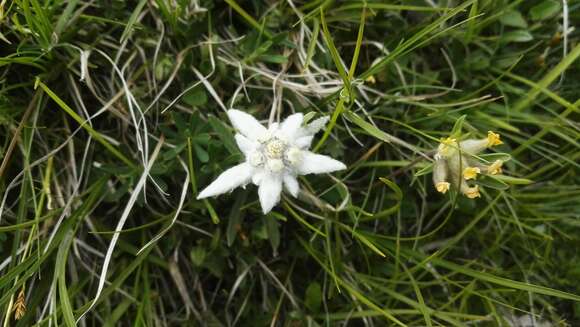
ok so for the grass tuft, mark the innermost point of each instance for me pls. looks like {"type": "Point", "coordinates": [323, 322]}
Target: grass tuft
{"type": "Point", "coordinates": [112, 119]}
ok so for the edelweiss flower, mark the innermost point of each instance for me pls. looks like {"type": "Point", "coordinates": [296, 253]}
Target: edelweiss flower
{"type": "Point", "coordinates": [275, 156]}
{"type": "Point", "coordinates": [454, 161]}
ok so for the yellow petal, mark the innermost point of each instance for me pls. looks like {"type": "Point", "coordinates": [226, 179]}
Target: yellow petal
{"type": "Point", "coordinates": [442, 187]}
{"type": "Point", "coordinates": [447, 145]}
{"type": "Point", "coordinates": [448, 141]}
{"type": "Point", "coordinates": [471, 173]}
{"type": "Point", "coordinates": [472, 192]}
{"type": "Point", "coordinates": [495, 168]}
{"type": "Point", "coordinates": [493, 139]}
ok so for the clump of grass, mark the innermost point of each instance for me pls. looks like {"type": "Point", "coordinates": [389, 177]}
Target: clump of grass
{"type": "Point", "coordinates": [112, 118]}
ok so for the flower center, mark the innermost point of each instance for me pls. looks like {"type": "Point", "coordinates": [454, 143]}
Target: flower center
{"type": "Point", "coordinates": [275, 155]}
{"type": "Point", "coordinates": [275, 149]}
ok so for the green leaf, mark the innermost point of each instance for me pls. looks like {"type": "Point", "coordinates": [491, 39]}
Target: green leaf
{"type": "Point", "coordinates": [513, 18]}
{"type": "Point", "coordinates": [65, 18]}
{"type": "Point", "coordinates": [367, 127]}
{"type": "Point", "coordinates": [425, 170]}
{"type": "Point", "coordinates": [479, 60]}
{"type": "Point", "coordinates": [334, 53]}
{"type": "Point", "coordinates": [484, 276]}
{"type": "Point", "coordinates": [60, 272]}
{"type": "Point", "coordinates": [275, 59]}
{"type": "Point", "coordinates": [163, 68]}
{"type": "Point", "coordinates": [96, 135]}
{"type": "Point", "coordinates": [120, 309]}
{"type": "Point", "coordinates": [398, 193]}
{"type": "Point", "coordinates": [198, 255]}
{"type": "Point", "coordinates": [235, 219]}
{"type": "Point", "coordinates": [195, 97]}
{"type": "Point", "coordinates": [545, 9]}
{"type": "Point", "coordinates": [491, 157]}
{"type": "Point", "coordinates": [201, 154]}
{"type": "Point", "coordinates": [224, 134]}
{"type": "Point", "coordinates": [259, 230]}
{"type": "Point", "coordinates": [519, 36]}
{"type": "Point", "coordinates": [132, 20]}
{"type": "Point", "coordinates": [456, 131]}
{"type": "Point", "coordinates": [273, 229]}
{"type": "Point", "coordinates": [492, 182]}
{"type": "Point", "coordinates": [313, 297]}
{"type": "Point", "coordinates": [513, 180]}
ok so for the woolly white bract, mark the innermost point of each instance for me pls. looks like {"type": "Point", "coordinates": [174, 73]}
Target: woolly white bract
{"type": "Point", "coordinates": [274, 156]}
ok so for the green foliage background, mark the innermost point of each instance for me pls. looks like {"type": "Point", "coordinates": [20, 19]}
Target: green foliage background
{"type": "Point", "coordinates": [374, 245]}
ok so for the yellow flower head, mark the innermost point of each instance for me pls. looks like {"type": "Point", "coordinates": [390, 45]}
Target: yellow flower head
{"type": "Point", "coordinates": [442, 187]}
{"type": "Point", "coordinates": [472, 192]}
{"type": "Point", "coordinates": [371, 80]}
{"type": "Point", "coordinates": [493, 139]}
{"type": "Point", "coordinates": [471, 173]}
{"type": "Point", "coordinates": [495, 168]}
{"type": "Point", "coordinates": [447, 145]}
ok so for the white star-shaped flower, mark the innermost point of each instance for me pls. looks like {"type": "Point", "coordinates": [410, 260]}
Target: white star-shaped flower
{"type": "Point", "coordinates": [274, 157]}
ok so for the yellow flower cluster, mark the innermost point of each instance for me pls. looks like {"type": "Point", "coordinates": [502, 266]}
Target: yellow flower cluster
{"type": "Point", "coordinates": [455, 164]}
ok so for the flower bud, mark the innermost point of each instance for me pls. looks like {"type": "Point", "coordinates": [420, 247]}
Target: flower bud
{"type": "Point", "coordinates": [495, 168]}
{"type": "Point", "coordinates": [440, 175]}
{"type": "Point", "coordinates": [493, 139]}
{"type": "Point", "coordinates": [470, 192]}
{"type": "Point", "coordinates": [442, 187]}
{"type": "Point", "coordinates": [447, 147]}
{"type": "Point", "coordinates": [472, 146]}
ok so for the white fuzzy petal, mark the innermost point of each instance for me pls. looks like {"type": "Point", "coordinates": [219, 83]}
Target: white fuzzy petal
{"type": "Point", "coordinates": [246, 124]}
{"type": "Point", "coordinates": [313, 163]}
{"type": "Point", "coordinates": [303, 142]}
{"type": "Point", "coordinates": [291, 184]}
{"type": "Point", "coordinates": [269, 192]}
{"type": "Point", "coordinates": [257, 176]}
{"type": "Point", "coordinates": [246, 145]}
{"type": "Point", "coordinates": [274, 127]}
{"type": "Point", "coordinates": [317, 125]}
{"type": "Point", "coordinates": [291, 125]}
{"type": "Point", "coordinates": [228, 180]}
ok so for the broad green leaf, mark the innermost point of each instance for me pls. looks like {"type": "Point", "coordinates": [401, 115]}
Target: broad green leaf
{"type": "Point", "coordinates": [195, 97]}
{"type": "Point", "coordinates": [273, 58]}
{"type": "Point", "coordinates": [513, 18]}
{"type": "Point", "coordinates": [197, 255]}
{"type": "Point", "coordinates": [456, 131]}
{"type": "Point", "coordinates": [545, 9]}
{"type": "Point", "coordinates": [235, 219]}
{"type": "Point", "coordinates": [224, 134]}
{"type": "Point", "coordinates": [273, 229]}
{"type": "Point", "coordinates": [313, 297]}
{"type": "Point", "coordinates": [519, 36]}
{"type": "Point", "coordinates": [491, 182]}
{"type": "Point", "coordinates": [513, 180]}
